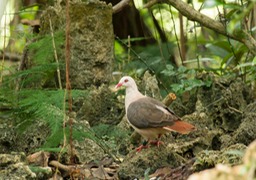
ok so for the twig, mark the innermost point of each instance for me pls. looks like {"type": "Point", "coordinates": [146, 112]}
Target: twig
{"type": "Point", "coordinates": [2, 64]}
{"type": "Point", "coordinates": [218, 100]}
{"type": "Point", "coordinates": [55, 54]}
{"type": "Point", "coordinates": [234, 109]}
{"type": "Point", "coordinates": [68, 84]}
{"type": "Point", "coordinates": [129, 48]}
{"type": "Point", "coordinates": [119, 6]}
{"type": "Point", "coordinates": [61, 166]}
{"type": "Point", "coordinates": [176, 36]}
{"type": "Point", "coordinates": [182, 40]}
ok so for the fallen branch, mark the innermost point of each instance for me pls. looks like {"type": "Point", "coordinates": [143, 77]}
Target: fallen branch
{"type": "Point", "coordinates": [63, 167]}
{"type": "Point", "coordinates": [169, 99]}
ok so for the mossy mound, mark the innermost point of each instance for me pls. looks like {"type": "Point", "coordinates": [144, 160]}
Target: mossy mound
{"type": "Point", "coordinates": [209, 158]}
{"type": "Point", "coordinates": [135, 165]}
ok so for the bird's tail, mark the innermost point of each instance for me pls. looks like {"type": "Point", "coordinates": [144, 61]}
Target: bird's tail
{"type": "Point", "coordinates": [181, 127]}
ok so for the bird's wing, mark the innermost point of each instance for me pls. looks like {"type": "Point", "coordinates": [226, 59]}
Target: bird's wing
{"type": "Point", "coordinates": [150, 113]}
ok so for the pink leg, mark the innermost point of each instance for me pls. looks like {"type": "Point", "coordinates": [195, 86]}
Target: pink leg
{"type": "Point", "coordinates": [138, 149]}
{"type": "Point", "coordinates": [157, 142]}
{"type": "Point", "coordinates": [143, 146]}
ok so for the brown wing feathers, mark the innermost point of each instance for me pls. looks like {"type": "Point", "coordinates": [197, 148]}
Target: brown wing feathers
{"type": "Point", "coordinates": [144, 113]}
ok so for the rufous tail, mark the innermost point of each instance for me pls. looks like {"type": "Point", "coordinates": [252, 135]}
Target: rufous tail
{"type": "Point", "coordinates": [181, 127]}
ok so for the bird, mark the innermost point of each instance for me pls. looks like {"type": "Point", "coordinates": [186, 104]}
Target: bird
{"type": "Point", "coordinates": [148, 116]}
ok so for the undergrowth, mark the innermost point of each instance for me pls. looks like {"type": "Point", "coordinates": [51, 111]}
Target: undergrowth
{"type": "Point", "coordinates": [31, 94]}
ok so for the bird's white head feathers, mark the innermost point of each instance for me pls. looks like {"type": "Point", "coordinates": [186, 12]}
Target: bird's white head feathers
{"type": "Point", "coordinates": [131, 93]}
{"type": "Point", "coordinates": [127, 82]}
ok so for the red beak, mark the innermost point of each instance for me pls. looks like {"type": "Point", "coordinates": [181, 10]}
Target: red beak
{"type": "Point", "coordinates": [118, 85]}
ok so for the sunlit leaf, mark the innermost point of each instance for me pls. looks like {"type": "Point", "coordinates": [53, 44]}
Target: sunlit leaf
{"type": "Point", "coordinates": [212, 3]}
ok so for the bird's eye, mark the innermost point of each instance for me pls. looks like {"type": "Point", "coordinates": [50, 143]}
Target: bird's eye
{"type": "Point", "coordinates": [126, 80]}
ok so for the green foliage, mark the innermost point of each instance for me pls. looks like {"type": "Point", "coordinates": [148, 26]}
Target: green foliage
{"type": "Point", "coordinates": [157, 60]}
{"type": "Point", "coordinates": [39, 169]}
{"type": "Point", "coordinates": [29, 12]}
{"type": "Point", "coordinates": [43, 66]}
{"type": "Point", "coordinates": [112, 135]}
{"type": "Point", "coordinates": [185, 79]}
{"type": "Point", "coordinates": [206, 50]}
{"type": "Point", "coordinates": [146, 173]}
{"type": "Point", "coordinates": [43, 48]}
{"type": "Point", "coordinates": [52, 149]}
{"type": "Point", "coordinates": [26, 101]}
{"type": "Point", "coordinates": [33, 105]}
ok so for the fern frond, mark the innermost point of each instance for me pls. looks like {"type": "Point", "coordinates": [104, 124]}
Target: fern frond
{"type": "Point", "coordinates": [43, 48]}
{"type": "Point", "coordinates": [47, 106]}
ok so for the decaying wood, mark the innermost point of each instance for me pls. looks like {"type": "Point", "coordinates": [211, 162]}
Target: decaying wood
{"type": "Point", "coordinates": [58, 165]}
{"type": "Point", "coordinates": [169, 99]}
{"type": "Point", "coordinates": [39, 158]}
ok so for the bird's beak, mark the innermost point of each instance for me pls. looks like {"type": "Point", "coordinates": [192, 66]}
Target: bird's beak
{"type": "Point", "coordinates": [118, 85]}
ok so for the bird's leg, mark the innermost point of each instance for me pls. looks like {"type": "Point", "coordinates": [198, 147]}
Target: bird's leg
{"type": "Point", "coordinates": [157, 142]}
{"type": "Point", "coordinates": [143, 146]}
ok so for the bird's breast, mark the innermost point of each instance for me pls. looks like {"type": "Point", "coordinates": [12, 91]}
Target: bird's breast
{"type": "Point", "coordinates": [150, 133]}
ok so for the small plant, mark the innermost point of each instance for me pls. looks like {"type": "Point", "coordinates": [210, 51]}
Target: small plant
{"type": "Point", "coordinates": [185, 79]}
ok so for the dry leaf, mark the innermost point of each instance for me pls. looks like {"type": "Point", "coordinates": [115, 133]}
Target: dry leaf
{"type": "Point", "coordinates": [39, 158]}
{"type": "Point", "coordinates": [101, 173]}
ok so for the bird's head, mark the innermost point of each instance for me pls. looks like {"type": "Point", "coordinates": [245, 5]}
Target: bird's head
{"type": "Point", "coordinates": [126, 81]}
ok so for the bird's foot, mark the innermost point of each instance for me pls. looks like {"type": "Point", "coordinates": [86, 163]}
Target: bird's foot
{"type": "Point", "coordinates": [143, 146]}
{"type": "Point", "coordinates": [156, 142]}
{"type": "Point", "coordinates": [138, 149]}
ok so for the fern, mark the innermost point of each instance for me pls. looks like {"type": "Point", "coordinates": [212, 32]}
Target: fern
{"type": "Point", "coordinates": [47, 106]}
{"type": "Point", "coordinates": [30, 102]}
{"type": "Point", "coordinates": [42, 49]}
{"type": "Point", "coordinates": [29, 105]}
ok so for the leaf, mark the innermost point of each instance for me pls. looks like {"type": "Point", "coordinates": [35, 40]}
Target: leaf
{"type": "Point", "coordinates": [52, 149]}
{"type": "Point", "coordinates": [177, 88]}
{"type": "Point", "coordinates": [220, 49]}
{"type": "Point", "coordinates": [146, 174]}
{"type": "Point", "coordinates": [101, 173]}
{"type": "Point", "coordinates": [212, 3]}
{"type": "Point", "coordinates": [169, 71]}
{"type": "Point", "coordinates": [182, 69]}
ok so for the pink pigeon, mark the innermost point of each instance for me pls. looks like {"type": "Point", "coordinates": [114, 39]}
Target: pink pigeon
{"type": "Point", "coordinates": [149, 117]}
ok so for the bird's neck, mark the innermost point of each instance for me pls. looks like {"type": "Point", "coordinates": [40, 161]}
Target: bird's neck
{"type": "Point", "coordinates": [132, 94]}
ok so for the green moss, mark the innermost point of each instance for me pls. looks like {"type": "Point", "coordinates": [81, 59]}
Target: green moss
{"type": "Point", "coordinates": [135, 164]}
{"type": "Point", "coordinates": [231, 155]}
